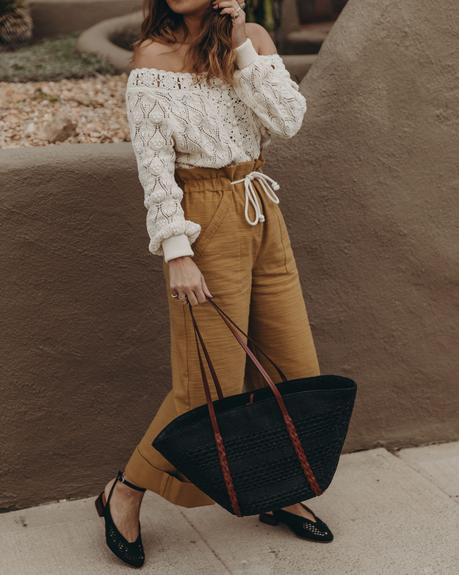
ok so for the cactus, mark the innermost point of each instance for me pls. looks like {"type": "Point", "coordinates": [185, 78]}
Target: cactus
{"type": "Point", "coordinates": [15, 22]}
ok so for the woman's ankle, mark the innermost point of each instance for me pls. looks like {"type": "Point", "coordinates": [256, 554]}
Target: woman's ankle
{"type": "Point", "coordinates": [123, 491]}
{"type": "Point", "coordinates": [129, 492]}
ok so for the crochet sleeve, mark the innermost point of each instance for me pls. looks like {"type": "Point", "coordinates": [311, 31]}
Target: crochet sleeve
{"type": "Point", "coordinates": [265, 85]}
{"type": "Point", "coordinates": [148, 113]}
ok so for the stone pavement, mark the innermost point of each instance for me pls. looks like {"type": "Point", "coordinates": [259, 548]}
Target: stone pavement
{"type": "Point", "coordinates": [391, 513]}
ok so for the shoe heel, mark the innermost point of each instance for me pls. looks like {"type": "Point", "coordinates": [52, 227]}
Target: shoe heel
{"type": "Point", "coordinates": [131, 553]}
{"type": "Point", "coordinates": [268, 519]}
{"type": "Point", "coordinates": [99, 505]}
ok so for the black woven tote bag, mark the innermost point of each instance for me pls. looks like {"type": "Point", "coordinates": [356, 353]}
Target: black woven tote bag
{"type": "Point", "coordinates": [265, 449]}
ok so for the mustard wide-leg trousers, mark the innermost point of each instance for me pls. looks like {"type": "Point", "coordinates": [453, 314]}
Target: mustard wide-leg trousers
{"type": "Point", "coordinates": [251, 272]}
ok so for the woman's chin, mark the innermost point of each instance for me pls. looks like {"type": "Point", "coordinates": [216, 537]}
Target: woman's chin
{"type": "Point", "coordinates": [187, 6]}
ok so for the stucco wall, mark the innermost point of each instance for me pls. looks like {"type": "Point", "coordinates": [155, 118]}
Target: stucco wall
{"type": "Point", "coordinates": [369, 192]}
{"type": "Point", "coordinates": [84, 332]}
{"type": "Point", "coordinates": [378, 179]}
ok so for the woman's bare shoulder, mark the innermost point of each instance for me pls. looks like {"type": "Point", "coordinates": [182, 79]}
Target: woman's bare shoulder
{"type": "Point", "coordinates": [154, 54]}
{"type": "Point", "coordinates": [261, 38]}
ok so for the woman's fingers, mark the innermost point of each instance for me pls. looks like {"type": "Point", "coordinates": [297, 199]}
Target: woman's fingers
{"type": "Point", "coordinates": [196, 294]}
{"type": "Point", "coordinates": [227, 5]}
{"type": "Point", "coordinates": [182, 297]}
{"type": "Point", "coordinates": [191, 297]}
{"type": "Point", "coordinates": [235, 10]}
{"type": "Point", "coordinates": [187, 281]}
{"type": "Point", "coordinates": [205, 288]}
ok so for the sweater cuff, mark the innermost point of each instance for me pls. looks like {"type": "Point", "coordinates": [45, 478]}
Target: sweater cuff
{"type": "Point", "coordinates": [245, 53]}
{"type": "Point", "coordinates": [176, 246]}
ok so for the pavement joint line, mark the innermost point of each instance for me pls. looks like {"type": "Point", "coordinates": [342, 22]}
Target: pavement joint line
{"type": "Point", "coordinates": [204, 540]}
{"type": "Point", "coordinates": [417, 471]}
{"type": "Point", "coordinates": [422, 472]}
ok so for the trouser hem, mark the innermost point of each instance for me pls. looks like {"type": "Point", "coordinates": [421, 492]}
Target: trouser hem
{"type": "Point", "coordinates": [176, 490]}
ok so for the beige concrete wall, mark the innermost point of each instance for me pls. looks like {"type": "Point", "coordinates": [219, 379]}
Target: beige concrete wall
{"type": "Point", "coordinates": [84, 331]}
{"type": "Point", "coordinates": [369, 192]}
{"type": "Point", "coordinates": [376, 232]}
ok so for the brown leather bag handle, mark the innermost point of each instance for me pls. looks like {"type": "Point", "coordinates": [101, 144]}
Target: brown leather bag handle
{"type": "Point", "coordinates": [250, 338]}
{"type": "Point", "coordinates": [291, 429]}
{"type": "Point", "coordinates": [222, 457]}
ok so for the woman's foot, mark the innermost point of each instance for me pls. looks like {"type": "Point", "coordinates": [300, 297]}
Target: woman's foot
{"type": "Point", "coordinates": [301, 520]}
{"type": "Point", "coordinates": [125, 508]}
{"type": "Point", "coordinates": [298, 509]}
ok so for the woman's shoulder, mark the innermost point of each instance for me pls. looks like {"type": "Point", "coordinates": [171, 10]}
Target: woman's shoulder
{"type": "Point", "coordinates": [153, 54]}
{"type": "Point", "coordinates": [261, 38]}
{"type": "Point", "coordinates": [154, 66]}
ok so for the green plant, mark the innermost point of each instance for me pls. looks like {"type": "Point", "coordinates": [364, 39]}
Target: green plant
{"type": "Point", "coordinates": [265, 12]}
{"type": "Point", "coordinates": [15, 22]}
{"type": "Point", "coordinates": [50, 59]}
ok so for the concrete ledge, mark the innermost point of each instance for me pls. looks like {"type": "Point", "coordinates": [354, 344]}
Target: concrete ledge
{"type": "Point", "coordinates": [56, 17]}
{"type": "Point", "coordinates": [82, 304]}
{"type": "Point", "coordinates": [299, 64]}
{"type": "Point", "coordinates": [312, 34]}
{"type": "Point", "coordinates": [99, 40]}
{"type": "Point", "coordinates": [85, 321]}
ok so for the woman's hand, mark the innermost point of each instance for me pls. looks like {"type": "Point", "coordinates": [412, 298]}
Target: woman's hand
{"type": "Point", "coordinates": [232, 7]}
{"type": "Point", "coordinates": [187, 281]}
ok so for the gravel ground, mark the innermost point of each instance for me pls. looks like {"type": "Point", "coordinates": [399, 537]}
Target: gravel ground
{"type": "Point", "coordinates": [49, 60]}
{"type": "Point", "coordinates": [90, 110]}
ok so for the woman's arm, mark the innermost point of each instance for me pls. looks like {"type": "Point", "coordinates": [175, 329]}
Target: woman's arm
{"type": "Point", "coordinates": [264, 84]}
{"type": "Point", "coordinates": [171, 235]}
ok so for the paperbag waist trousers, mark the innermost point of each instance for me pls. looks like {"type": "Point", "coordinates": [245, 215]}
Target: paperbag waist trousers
{"type": "Point", "coordinates": [251, 271]}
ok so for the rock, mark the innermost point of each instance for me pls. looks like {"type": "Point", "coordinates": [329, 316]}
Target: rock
{"type": "Point", "coordinates": [59, 129]}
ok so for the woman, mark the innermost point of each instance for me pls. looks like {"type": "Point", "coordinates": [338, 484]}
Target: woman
{"type": "Point", "coordinates": [213, 217]}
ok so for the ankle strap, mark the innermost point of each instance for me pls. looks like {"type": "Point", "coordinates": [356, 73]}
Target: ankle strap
{"type": "Point", "coordinates": [123, 479]}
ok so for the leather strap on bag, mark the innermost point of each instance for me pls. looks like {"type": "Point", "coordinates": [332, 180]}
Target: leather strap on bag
{"type": "Point", "coordinates": [250, 338]}
{"type": "Point", "coordinates": [283, 408]}
{"type": "Point", "coordinates": [291, 429]}
{"type": "Point", "coordinates": [222, 457]}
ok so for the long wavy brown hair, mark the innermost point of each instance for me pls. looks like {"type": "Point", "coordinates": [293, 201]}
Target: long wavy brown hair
{"type": "Point", "coordinates": [210, 54]}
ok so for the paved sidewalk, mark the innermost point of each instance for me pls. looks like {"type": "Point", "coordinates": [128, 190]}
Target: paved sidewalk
{"type": "Point", "coordinates": [390, 514]}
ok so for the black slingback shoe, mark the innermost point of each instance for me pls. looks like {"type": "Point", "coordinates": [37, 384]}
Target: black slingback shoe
{"type": "Point", "coordinates": [302, 526]}
{"type": "Point", "coordinates": [129, 552]}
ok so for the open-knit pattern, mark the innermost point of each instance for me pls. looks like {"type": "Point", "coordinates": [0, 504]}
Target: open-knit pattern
{"type": "Point", "coordinates": [177, 119]}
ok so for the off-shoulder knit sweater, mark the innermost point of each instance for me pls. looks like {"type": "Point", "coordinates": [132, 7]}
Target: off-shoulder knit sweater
{"type": "Point", "coordinates": [175, 121]}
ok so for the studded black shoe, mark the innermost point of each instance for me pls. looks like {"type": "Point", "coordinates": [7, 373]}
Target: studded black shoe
{"type": "Point", "coordinates": [302, 526]}
{"type": "Point", "coordinates": [131, 552]}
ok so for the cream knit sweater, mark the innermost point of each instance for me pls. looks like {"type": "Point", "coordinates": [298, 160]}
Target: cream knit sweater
{"type": "Point", "coordinates": [175, 118]}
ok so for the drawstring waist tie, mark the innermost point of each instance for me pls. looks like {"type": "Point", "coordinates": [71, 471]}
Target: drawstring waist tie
{"type": "Point", "coordinates": [206, 178]}
{"type": "Point", "coordinates": [268, 185]}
